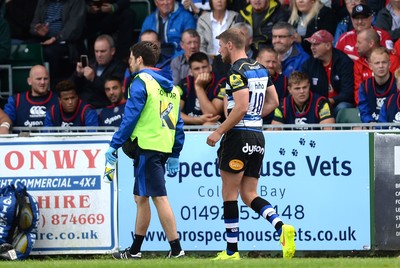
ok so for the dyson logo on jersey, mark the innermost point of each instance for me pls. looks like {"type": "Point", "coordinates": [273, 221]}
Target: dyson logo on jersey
{"type": "Point", "coordinates": [250, 149]}
{"type": "Point", "coordinates": [38, 111]}
{"type": "Point", "coordinates": [109, 121]}
{"type": "Point", "coordinates": [28, 123]}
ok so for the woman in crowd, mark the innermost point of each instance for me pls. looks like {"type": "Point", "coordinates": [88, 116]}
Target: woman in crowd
{"type": "Point", "coordinates": [388, 19]}
{"type": "Point", "coordinates": [309, 16]}
{"type": "Point", "coordinates": [211, 24]}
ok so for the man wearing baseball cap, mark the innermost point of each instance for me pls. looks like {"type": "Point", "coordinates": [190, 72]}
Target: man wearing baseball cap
{"type": "Point", "coordinates": [361, 17]}
{"type": "Point", "coordinates": [330, 71]}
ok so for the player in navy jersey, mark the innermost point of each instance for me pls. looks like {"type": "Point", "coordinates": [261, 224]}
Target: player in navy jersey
{"type": "Point", "coordinates": [390, 111]}
{"type": "Point", "coordinates": [302, 106]}
{"type": "Point", "coordinates": [112, 115]}
{"type": "Point", "coordinates": [71, 111]}
{"type": "Point", "coordinates": [373, 91]}
{"type": "Point", "coordinates": [28, 109]}
{"type": "Point", "coordinates": [250, 95]}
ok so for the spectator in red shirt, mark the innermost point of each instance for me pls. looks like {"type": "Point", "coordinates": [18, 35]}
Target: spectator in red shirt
{"type": "Point", "coordinates": [361, 17]}
{"type": "Point", "coordinates": [367, 41]}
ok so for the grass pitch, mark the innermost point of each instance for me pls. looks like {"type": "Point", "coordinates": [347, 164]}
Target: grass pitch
{"type": "Point", "coordinates": [206, 262]}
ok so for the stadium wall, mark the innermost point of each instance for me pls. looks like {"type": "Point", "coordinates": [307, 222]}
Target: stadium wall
{"type": "Point", "coordinates": [322, 182]}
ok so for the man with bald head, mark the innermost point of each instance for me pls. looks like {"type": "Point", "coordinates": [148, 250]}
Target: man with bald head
{"type": "Point", "coordinates": [28, 109]}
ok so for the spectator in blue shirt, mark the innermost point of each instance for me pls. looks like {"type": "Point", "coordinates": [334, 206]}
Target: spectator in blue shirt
{"type": "Point", "coordinates": [169, 20]}
{"type": "Point", "coordinates": [291, 54]}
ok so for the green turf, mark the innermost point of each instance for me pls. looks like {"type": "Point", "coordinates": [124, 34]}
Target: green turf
{"type": "Point", "coordinates": [204, 262]}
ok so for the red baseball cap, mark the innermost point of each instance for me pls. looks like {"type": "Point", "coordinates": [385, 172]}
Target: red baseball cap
{"type": "Point", "coordinates": [321, 36]}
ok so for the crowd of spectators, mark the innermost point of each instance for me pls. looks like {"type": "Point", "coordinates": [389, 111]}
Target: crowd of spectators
{"type": "Point", "coordinates": [322, 55]}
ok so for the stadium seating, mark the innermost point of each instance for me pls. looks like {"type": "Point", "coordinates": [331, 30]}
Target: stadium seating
{"type": "Point", "coordinates": [6, 84]}
{"type": "Point", "coordinates": [348, 115]}
{"type": "Point", "coordinates": [141, 8]}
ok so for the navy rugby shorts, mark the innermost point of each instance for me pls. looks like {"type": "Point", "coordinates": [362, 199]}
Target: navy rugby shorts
{"type": "Point", "coordinates": [242, 150]}
{"type": "Point", "coordinates": [149, 173]}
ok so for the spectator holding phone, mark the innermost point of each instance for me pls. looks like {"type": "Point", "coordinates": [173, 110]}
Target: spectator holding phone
{"type": "Point", "coordinates": [90, 80]}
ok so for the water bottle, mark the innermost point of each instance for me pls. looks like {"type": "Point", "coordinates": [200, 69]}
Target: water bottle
{"type": "Point", "coordinates": [109, 172]}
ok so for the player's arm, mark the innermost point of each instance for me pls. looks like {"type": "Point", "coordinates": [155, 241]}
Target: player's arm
{"type": "Point", "coordinates": [241, 98]}
{"type": "Point", "coordinates": [325, 114]}
{"type": "Point", "coordinates": [363, 105]}
{"type": "Point", "coordinates": [206, 106]}
{"type": "Point", "coordinates": [91, 117]}
{"type": "Point", "coordinates": [48, 120]}
{"type": "Point", "coordinates": [133, 108]}
{"type": "Point", "coordinates": [271, 101]}
{"type": "Point", "coordinates": [278, 118]}
{"type": "Point", "coordinates": [383, 117]}
{"type": "Point", "coordinates": [328, 121]}
{"type": "Point", "coordinates": [179, 138]}
{"type": "Point", "coordinates": [225, 106]}
{"type": "Point", "coordinates": [5, 123]}
{"type": "Point", "coordinates": [197, 120]}
{"type": "Point", "coordinates": [10, 109]}
{"type": "Point", "coordinates": [187, 120]}
{"type": "Point", "coordinates": [219, 105]}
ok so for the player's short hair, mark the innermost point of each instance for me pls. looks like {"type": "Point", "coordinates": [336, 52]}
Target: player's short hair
{"type": "Point", "coordinates": [297, 77]}
{"type": "Point", "coordinates": [379, 51]}
{"type": "Point", "coordinates": [198, 57]}
{"type": "Point", "coordinates": [269, 50]}
{"type": "Point", "coordinates": [149, 52]}
{"type": "Point", "coordinates": [234, 35]}
{"type": "Point", "coordinates": [65, 85]}
{"type": "Point", "coordinates": [113, 78]}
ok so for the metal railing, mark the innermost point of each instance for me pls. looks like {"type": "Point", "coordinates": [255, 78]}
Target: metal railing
{"type": "Point", "coordinates": [55, 131]}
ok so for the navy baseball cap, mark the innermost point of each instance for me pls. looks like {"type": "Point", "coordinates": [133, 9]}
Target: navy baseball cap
{"type": "Point", "coordinates": [361, 10]}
